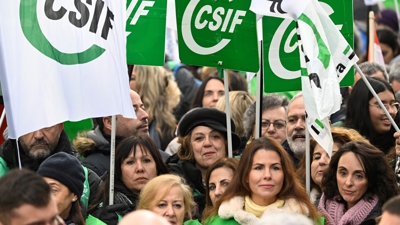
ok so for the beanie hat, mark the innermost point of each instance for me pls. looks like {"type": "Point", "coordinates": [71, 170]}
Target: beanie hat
{"type": "Point", "coordinates": [360, 10]}
{"type": "Point", "coordinates": [389, 18]}
{"type": "Point", "coordinates": [66, 169]}
{"type": "Point", "coordinates": [208, 117]}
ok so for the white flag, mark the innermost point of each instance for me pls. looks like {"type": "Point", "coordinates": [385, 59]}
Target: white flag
{"type": "Point", "coordinates": [62, 60]}
{"type": "Point", "coordinates": [372, 2]}
{"type": "Point", "coordinates": [327, 58]}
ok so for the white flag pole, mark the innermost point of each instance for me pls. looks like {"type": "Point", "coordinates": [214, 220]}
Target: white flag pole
{"type": "Point", "coordinates": [228, 114]}
{"type": "Point", "coordinates": [3, 114]}
{"type": "Point", "coordinates": [377, 98]}
{"type": "Point", "coordinates": [112, 160]}
{"type": "Point", "coordinates": [308, 164]}
{"type": "Point", "coordinates": [259, 94]}
{"type": "Point", "coordinates": [396, 6]}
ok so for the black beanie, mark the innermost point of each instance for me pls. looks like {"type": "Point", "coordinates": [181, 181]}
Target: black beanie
{"type": "Point", "coordinates": [66, 169]}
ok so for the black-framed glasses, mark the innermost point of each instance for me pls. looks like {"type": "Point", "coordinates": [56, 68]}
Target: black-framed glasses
{"type": "Point", "coordinates": [394, 105]}
{"type": "Point", "coordinates": [277, 124]}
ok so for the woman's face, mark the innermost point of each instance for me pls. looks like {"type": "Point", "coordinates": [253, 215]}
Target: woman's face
{"type": "Point", "coordinates": [171, 206]}
{"type": "Point", "coordinates": [351, 179]}
{"type": "Point", "coordinates": [379, 120]}
{"type": "Point", "coordinates": [132, 82]}
{"type": "Point", "coordinates": [266, 177]}
{"type": "Point", "coordinates": [138, 170]}
{"type": "Point", "coordinates": [208, 146]}
{"type": "Point", "coordinates": [219, 180]}
{"type": "Point", "coordinates": [276, 118]}
{"type": "Point", "coordinates": [387, 53]}
{"type": "Point", "coordinates": [320, 161]}
{"type": "Point", "coordinates": [213, 91]}
{"type": "Point", "coordinates": [63, 196]}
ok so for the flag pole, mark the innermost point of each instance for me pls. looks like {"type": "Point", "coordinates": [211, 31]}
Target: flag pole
{"type": "Point", "coordinates": [228, 114]}
{"type": "Point", "coordinates": [112, 160]}
{"type": "Point", "coordinates": [377, 98]}
{"type": "Point", "coordinates": [3, 114]}
{"type": "Point", "coordinates": [396, 6]}
{"type": "Point", "coordinates": [259, 93]}
{"type": "Point", "coordinates": [371, 30]}
{"type": "Point", "coordinates": [308, 164]}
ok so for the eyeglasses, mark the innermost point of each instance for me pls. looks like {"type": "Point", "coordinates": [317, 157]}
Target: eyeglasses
{"type": "Point", "coordinates": [278, 124]}
{"type": "Point", "coordinates": [394, 105]}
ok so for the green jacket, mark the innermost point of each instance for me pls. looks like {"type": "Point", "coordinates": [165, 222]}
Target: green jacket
{"type": "Point", "coordinates": [219, 221]}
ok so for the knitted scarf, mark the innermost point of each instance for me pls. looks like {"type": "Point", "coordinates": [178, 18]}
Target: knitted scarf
{"type": "Point", "coordinates": [336, 213]}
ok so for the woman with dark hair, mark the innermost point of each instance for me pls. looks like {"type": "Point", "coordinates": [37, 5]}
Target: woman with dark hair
{"type": "Point", "coordinates": [218, 177]}
{"type": "Point", "coordinates": [366, 116]}
{"type": "Point", "coordinates": [320, 159]}
{"type": "Point", "coordinates": [65, 175]}
{"type": "Point", "coordinates": [202, 134]}
{"type": "Point", "coordinates": [137, 160]}
{"type": "Point", "coordinates": [356, 184]}
{"type": "Point", "coordinates": [389, 43]}
{"type": "Point", "coordinates": [208, 93]}
{"type": "Point", "coordinates": [265, 179]}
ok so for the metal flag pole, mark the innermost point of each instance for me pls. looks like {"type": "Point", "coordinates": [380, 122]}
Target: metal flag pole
{"type": "Point", "coordinates": [228, 114]}
{"type": "Point", "coordinates": [112, 160]}
{"type": "Point", "coordinates": [259, 94]}
{"type": "Point", "coordinates": [377, 98]}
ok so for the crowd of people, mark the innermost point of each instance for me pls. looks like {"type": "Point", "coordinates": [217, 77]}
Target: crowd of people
{"type": "Point", "coordinates": [172, 164]}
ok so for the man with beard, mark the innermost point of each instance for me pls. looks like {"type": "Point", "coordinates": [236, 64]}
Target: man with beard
{"type": "Point", "coordinates": [95, 146]}
{"type": "Point", "coordinates": [296, 128]}
{"type": "Point", "coordinates": [33, 148]}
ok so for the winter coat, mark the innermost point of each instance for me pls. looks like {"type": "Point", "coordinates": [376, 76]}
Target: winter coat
{"type": "Point", "coordinates": [8, 161]}
{"type": "Point", "coordinates": [232, 212]}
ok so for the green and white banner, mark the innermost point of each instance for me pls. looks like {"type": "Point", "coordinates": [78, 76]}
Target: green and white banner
{"type": "Point", "coordinates": [281, 52]}
{"type": "Point", "coordinates": [62, 60]}
{"type": "Point", "coordinates": [145, 31]}
{"type": "Point", "coordinates": [325, 57]}
{"type": "Point", "coordinates": [217, 34]}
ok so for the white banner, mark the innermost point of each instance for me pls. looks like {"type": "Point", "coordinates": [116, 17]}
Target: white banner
{"type": "Point", "coordinates": [62, 60]}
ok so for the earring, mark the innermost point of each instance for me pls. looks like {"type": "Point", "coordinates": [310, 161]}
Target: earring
{"type": "Point", "coordinates": [74, 199]}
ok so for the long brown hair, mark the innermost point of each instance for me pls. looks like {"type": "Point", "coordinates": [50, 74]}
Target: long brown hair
{"type": "Point", "coordinates": [291, 185]}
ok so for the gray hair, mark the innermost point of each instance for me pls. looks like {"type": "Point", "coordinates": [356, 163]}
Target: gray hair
{"type": "Point", "coordinates": [394, 73]}
{"type": "Point", "coordinates": [369, 68]}
{"type": "Point", "coordinates": [269, 101]}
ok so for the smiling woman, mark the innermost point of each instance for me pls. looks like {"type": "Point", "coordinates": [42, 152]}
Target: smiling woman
{"type": "Point", "coordinates": [202, 134]}
{"type": "Point", "coordinates": [265, 179]}
{"type": "Point", "coordinates": [356, 183]}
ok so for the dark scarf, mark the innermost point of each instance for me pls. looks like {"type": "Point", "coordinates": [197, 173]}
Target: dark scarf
{"type": "Point", "coordinates": [384, 141]}
{"type": "Point", "coordinates": [10, 155]}
{"type": "Point", "coordinates": [124, 196]}
{"type": "Point", "coordinates": [106, 148]}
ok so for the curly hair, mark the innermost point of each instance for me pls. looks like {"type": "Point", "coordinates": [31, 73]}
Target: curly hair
{"type": "Point", "coordinates": [380, 176]}
{"type": "Point", "coordinates": [340, 136]}
{"type": "Point", "coordinates": [269, 101]}
{"type": "Point", "coordinates": [291, 187]}
{"type": "Point", "coordinates": [160, 95]}
{"type": "Point", "coordinates": [238, 102]}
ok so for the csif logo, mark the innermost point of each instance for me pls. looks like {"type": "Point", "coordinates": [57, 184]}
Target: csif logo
{"type": "Point", "coordinates": [79, 18]}
{"type": "Point", "coordinates": [217, 19]}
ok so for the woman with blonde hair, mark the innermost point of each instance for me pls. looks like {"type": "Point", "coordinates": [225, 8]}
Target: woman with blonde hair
{"type": "Point", "coordinates": [239, 101]}
{"type": "Point", "coordinates": [265, 179]}
{"type": "Point", "coordinates": [160, 95]}
{"type": "Point", "coordinates": [168, 196]}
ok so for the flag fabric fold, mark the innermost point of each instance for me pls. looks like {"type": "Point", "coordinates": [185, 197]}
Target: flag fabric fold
{"type": "Point", "coordinates": [57, 64]}
{"type": "Point", "coordinates": [374, 49]}
{"type": "Point", "coordinates": [326, 57]}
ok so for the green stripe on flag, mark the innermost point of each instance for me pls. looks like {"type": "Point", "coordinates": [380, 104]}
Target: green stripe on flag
{"type": "Point", "coordinates": [303, 72]}
{"type": "Point", "coordinates": [320, 124]}
{"type": "Point", "coordinates": [323, 52]}
{"type": "Point", "coordinates": [346, 50]}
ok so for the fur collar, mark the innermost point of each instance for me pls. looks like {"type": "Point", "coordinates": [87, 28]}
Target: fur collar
{"type": "Point", "coordinates": [234, 208]}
